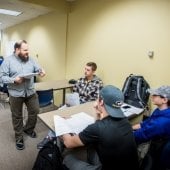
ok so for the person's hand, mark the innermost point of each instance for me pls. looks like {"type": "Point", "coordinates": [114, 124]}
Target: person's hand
{"type": "Point", "coordinates": [19, 80]}
{"type": "Point", "coordinates": [67, 135]}
{"type": "Point", "coordinates": [136, 126]}
{"type": "Point", "coordinates": [99, 115]}
{"type": "Point", "coordinates": [42, 72]}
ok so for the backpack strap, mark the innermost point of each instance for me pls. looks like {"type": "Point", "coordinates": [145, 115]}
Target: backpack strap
{"type": "Point", "coordinates": [126, 84]}
{"type": "Point", "coordinates": [139, 85]}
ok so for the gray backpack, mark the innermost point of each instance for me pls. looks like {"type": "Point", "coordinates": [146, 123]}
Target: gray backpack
{"type": "Point", "coordinates": [135, 90]}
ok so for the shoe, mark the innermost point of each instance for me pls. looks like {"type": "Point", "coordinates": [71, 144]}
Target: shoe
{"type": "Point", "coordinates": [43, 142]}
{"type": "Point", "coordinates": [20, 144]}
{"type": "Point", "coordinates": [32, 134]}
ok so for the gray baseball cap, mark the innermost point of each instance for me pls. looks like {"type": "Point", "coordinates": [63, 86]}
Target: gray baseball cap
{"type": "Point", "coordinates": [163, 91]}
{"type": "Point", "coordinates": [113, 99]}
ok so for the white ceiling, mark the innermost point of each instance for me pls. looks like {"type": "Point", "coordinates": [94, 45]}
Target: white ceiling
{"type": "Point", "coordinates": [28, 10]}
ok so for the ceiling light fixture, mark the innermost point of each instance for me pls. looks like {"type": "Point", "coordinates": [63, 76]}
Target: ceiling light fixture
{"type": "Point", "coordinates": [9, 12]}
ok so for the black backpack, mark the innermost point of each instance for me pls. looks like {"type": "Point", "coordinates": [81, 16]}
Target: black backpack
{"type": "Point", "coordinates": [49, 158]}
{"type": "Point", "coordinates": [135, 90]}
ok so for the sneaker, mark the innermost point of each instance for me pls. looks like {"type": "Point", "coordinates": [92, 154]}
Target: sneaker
{"type": "Point", "coordinates": [20, 144]}
{"type": "Point", "coordinates": [32, 134]}
{"type": "Point", "coordinates": [43, 142]}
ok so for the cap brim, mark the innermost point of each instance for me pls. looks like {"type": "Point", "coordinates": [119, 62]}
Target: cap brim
{"type": "Point", "coordinates": [153, 92]}
{"type": "Point", "coordinates": [114, 112]}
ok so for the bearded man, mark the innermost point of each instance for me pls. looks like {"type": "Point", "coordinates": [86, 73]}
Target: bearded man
{"type": "Point", "coordinates": [21, 90]}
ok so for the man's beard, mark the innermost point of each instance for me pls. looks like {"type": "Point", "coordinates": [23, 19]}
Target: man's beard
{"type": "Point", "coordinates": [23, 58]}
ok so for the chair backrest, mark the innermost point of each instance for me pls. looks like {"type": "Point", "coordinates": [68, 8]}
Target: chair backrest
{"type": "Point", "coordinates": [165, 155]}
{"type": "Point", "coordinates": [158, 156]}
{"type": "Point", "coordinates": [1, 59]}
{"type": "Point", "coordinates": [45, 97]}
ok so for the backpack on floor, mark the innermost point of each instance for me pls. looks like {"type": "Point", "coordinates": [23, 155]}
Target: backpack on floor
{"type": "Point", "coordinates": [135, 90]}
{"type": "Point", "coordinates": [49, 158]}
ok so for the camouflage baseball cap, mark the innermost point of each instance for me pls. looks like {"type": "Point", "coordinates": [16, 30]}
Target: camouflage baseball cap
{"type": "Point", "coordinates": [163, 91]}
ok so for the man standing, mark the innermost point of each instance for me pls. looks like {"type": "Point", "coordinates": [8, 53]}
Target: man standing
{"type": "Point", "coordinates": [21, 90]}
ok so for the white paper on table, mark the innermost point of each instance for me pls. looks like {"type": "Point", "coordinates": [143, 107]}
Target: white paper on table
{"type": "Point", "coordinates": [75, 124]}
{"type": "Point", "coordinates": [130, 110]}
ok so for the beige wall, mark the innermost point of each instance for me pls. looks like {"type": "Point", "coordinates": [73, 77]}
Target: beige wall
{"type": "Point", "coordinates": [116, 34]}
{"type": "Point", "coordinates": [46, 36]}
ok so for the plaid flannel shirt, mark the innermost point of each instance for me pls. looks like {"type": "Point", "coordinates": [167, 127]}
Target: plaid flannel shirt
{"type": "Point", "coordinates": [88, 90]}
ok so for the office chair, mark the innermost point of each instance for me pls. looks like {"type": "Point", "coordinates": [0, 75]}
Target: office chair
{"type": "Point", "coordinates": [45, 97]}
{"type": "Point", "coordinates": [1, 59]}
{"type": "Point", "coordinates": [4, 96]}
{"type": "Point", "coordinates": [161, 162]}
{"type": "Point", "coordinates": [46, 100]}
{"type": "Point", "coordinates": [165, 155]}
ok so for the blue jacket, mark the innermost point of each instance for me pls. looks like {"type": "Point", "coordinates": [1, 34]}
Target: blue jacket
{"type": "Point", "coordinates": [156, 126]}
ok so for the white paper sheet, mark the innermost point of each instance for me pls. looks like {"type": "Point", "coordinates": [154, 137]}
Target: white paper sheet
{"type": "Point", "coordinates": [130, 110]}
{"type": "Point", "coordinates": [75, 124]}
{"type": "Point", "coordinates": [28, 75]}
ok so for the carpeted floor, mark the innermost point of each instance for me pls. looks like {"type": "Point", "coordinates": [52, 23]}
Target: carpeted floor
{"type": "Point", "coordinates": [10, 157]}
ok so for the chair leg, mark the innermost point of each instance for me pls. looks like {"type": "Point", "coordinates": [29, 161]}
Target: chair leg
{"type": "Point", "coordinates": [2, 100]}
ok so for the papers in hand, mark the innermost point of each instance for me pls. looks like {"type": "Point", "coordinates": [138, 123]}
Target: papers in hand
{"type": "Point", "coordinates": [28, 75]}
{"type": "Point", "coordinates": [75, 124]}
{"type": "Point", "coordinates": [130, 110]}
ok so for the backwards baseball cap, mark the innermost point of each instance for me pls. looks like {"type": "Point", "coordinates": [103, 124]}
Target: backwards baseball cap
{"type": "Point", "coordinates": [113, 99]}
{"type": "Point", "coordinates": [163, 91]}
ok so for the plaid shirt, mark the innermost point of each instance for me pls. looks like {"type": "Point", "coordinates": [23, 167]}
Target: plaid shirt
{"type": "Point", "coordinates": [88, 90]}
